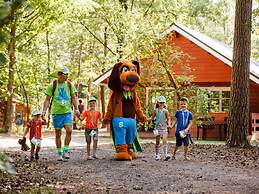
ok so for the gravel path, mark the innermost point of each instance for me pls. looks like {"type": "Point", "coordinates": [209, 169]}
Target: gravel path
{"type": "Point", "coordinates": [212, 169]}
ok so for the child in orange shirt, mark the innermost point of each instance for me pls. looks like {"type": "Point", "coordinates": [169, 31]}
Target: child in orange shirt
{"type": "Point", "coordinates": [91, 129]}
{"type": "Point", "coordinates": [35, 127]}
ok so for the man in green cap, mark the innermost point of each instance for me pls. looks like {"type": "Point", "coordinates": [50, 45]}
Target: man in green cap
{"type": "Point", "coordinates": [63, 94]}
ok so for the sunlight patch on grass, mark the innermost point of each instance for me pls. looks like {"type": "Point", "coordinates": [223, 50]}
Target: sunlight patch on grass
{"type": "Point", "coordinates": [212, 142]}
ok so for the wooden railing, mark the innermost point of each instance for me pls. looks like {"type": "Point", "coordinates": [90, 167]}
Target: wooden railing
{"type": "Point", "coordinates": [255, 125]}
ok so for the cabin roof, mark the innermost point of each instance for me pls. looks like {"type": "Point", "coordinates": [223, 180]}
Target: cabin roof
{"type": "Point", "coordinates": [218, 49]}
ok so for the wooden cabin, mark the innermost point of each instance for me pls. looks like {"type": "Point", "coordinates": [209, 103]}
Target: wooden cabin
{"type": "Point", "coordinates": [20, 112]}
{"type": "Point", "coordinates": [211, 63]}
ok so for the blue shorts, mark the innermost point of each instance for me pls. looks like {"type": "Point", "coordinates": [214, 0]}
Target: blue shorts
{"type": "Point", "coordinates": [59, 121]}
{"type": "Point", "coordinates": [180, 140]}
{"type": "Point", "coordinates": [124, 130]}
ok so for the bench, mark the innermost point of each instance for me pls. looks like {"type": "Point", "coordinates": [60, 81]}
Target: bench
{"type": "Point", "coordinates": [207, 125]}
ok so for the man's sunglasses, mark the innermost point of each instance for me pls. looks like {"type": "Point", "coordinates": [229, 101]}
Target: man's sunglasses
{"type": "Point", "coordinates": [61, 73]}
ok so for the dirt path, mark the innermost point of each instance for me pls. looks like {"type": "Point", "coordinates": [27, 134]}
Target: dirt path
{"type": "Point", "coordinates": [212, 169]}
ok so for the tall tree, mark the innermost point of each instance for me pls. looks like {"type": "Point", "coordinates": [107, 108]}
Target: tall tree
{"type": "Point", "coordinates": [239, 106]}
{"type": "Point", "coordinates": [24, 21]}
{"type": "Point", "coordinates": [11, 53]}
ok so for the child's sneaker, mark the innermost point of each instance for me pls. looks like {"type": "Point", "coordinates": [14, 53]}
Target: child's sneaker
{"type": "Point", "coordinates": [186, 159]}
{"type": "Point", "coordinates": [167, 157]}
{"type": "Point", "coordinates": [59, 158]}
{"type": "Point", "coordinates": [66, 155]}
{"type": "Point", "coordinates": [36, 156]}
{"type": "Point", "coordinates": [158, 157]}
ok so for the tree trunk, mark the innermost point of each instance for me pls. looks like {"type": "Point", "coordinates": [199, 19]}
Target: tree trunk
{"type": "Point", "coordinates": [25, 94]}
{"type": "Point", "coordinates": [102, 92]}
{"type": "Point", "coordinates": [238, 123]}
{"type": "Point", "coordinates": [102, 99]}
{"type": "Point", "coordinates": [170, 76]}
{"type": "Point", "coordinates": [11, 52]}
{"type": "Point", "coordinates": [80, 58]}
{"type": "Point", "coordinates": [48, 49]}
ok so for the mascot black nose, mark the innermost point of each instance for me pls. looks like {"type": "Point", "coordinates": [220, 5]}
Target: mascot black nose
{"type": "Point", "coordinates": [132, 78]}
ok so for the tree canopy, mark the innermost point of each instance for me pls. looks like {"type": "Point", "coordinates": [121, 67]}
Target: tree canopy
{"type": "Point", "coordinates": [89, 36]}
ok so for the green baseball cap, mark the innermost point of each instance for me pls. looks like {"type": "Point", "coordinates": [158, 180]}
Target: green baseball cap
{"type": "Point", "coordinates": [62, 69]}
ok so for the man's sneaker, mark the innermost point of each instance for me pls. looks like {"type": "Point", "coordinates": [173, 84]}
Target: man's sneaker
{"type": "Point", "coordinates": [158, 157]}
{"type": "Point", "coordinates": [167, 157]}
{"type": "Point", "coordinates": [59, 158]}
{"type": "Point", "coordinates": [65, 155]}
{"type": "Point", "coordinates": [36, 156]}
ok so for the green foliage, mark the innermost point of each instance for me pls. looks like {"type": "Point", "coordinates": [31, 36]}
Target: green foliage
{"type": "Point", "coordinates": [3, 59]}
{"type": "Point", "coordinates": [5, 9]}
{"type": "Point", "coordinates": [90, 36]}
{"type": "Point", "coordinates": [5, 164]}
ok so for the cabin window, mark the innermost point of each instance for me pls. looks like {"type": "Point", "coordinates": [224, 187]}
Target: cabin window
{"type": "Point", "coordinates": [215, 99]}
{"type": "Point", "coordinates": [218, 101]}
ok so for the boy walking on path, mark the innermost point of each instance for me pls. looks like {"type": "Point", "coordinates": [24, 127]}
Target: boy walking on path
{"type": "Point", "coordinates": [34, 128]}
{"type": "Point", "coordinates": [92, 117]}
{"type": "Point", "coordinates": [183, 124]}
{"type": "Point", "coordinates": [63, 94]}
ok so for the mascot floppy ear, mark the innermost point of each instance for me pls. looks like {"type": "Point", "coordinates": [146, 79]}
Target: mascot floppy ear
{"type": "Point", "coordinates": [114, 80]}
{"type": "Point", "coordinates": [136, 63]}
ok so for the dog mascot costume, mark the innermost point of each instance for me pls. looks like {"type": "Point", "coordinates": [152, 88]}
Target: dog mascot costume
{"type": "Point", "coordinates": [124, 107]}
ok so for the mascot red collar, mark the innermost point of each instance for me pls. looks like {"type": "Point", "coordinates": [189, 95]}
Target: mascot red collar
{"type": "Point", "coordinates": [124, 107]}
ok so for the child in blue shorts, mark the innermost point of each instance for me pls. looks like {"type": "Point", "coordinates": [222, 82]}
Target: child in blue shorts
{"type": "Point", "coordinates": [183, 124]}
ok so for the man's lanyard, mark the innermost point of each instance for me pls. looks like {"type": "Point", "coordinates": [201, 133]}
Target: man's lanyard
{"type": "Point", "coordinates": [93, 121]}
{"type": "Point", "coordinates": [62, 91]}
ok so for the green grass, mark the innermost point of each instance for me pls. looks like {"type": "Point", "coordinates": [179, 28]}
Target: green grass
{"type": "Point", "coordinates": [211, 142]}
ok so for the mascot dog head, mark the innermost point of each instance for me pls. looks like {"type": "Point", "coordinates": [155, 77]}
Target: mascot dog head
{"type": "Point", "coordinates": [124, 76]}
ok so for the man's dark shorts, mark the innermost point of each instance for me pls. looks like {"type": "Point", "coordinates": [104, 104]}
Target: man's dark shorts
{"type": "Point", "coordinates": [181, 141]}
